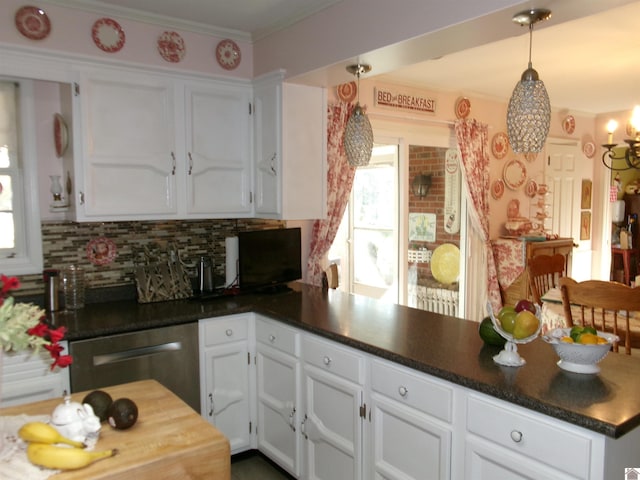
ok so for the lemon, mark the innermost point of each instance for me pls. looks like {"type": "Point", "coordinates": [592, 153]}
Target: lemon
{"type": "Point", "coordinates": [588, 339]}
{"type": "Point", "coordinates": [566, 339]}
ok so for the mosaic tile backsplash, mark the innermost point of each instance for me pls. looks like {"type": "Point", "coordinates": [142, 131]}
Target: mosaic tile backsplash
{"type": "Point", "coordinates": [65, 243]}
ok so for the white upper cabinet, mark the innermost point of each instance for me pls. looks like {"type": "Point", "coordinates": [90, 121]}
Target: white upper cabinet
{"type": "Point", "coordinates": [290, 132]}
{"type": "Point", "coordinates": [156, 147]}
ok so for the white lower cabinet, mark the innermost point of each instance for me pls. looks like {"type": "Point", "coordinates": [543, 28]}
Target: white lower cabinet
{"type": "Point", "coordinates": [278, 379]}
{"type": "Point", "coordinates": [224, 377]}
{"type": "Point", "coordinates": [333, 410]}
{"type": "Point", "coordinates": [27, 377]}
{"type": "Point", "coordinates": [411, 419]}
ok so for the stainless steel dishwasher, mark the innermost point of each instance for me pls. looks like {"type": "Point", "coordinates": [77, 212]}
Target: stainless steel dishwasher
{"type": "Point", "coordinates": [166, 354]}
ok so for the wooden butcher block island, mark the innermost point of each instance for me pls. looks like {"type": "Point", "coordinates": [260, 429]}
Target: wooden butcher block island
{"type": "Point", "coordinates": [169, 440]}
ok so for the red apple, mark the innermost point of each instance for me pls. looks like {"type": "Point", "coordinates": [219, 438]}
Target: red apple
{"type": "Point", "coordinates": [525, 304]}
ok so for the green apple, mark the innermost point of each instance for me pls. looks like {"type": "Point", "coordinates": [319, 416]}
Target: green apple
{"type": "Point", "coordinates": [507, 319]}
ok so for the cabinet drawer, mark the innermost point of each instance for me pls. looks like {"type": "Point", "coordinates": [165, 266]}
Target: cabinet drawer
{"type": "Point", "coordinates": [530, 435]}
{"type": "Point", "coordinates": [413, 390]}
{"type": "Point", "coordinates": [333, 358]}
{"type": "Point", "coordinates": [218, 331]}
{"type": "Point", "coordinates": [277, 336]}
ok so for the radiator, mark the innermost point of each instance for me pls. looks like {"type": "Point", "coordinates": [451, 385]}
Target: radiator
{"type": "Point", "coordinates": [437, 300]}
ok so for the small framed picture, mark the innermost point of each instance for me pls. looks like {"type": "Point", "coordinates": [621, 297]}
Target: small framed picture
{"type": "Point", "coordinates": [585, 225]}
{"type": "Point", "coordinates": [586, 194]}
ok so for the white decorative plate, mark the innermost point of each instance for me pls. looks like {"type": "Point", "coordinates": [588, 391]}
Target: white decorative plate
{"type": "Point", "coordinates": [228, 54]}
{"type": "Point", "coordinates": [514, 174]}
{"type": "Point", "coordinates": [500, 145]}
{"type": "Point", "coordinates": [497, 189]}
{"type": "Point", "coordinates": [445, 263]}
{"type": "Point", "coordinates": [171, 47]}
{"type": "Point", "coordinates": [108, 35]}
{"type": "Point", "coordinates": [569, 124]}
{"type": "Point", "coordinates": [33, 23]}
{"type": "Point", "coordinates": [347, 91]}
{"type": "Point", "coordinates": [589, 149]}
{"type": "Point", "coordinates": [463, 107]}
{"type": "Point", "coordinates": [60, 135]}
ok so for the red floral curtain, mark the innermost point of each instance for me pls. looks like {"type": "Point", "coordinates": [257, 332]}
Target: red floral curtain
{"type": "Point", "coordinates": [339, 182]}
{"type": "Point", "coordinates": [473, 140]}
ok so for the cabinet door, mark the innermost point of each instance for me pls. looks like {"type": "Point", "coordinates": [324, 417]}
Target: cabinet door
{"type": "Point", "coordinates": [267, 101]}
{"type": "Point", "coordinates": [332, 426]}
{"type": "Point", "coordinates": [129, 162]}
{"type": "Point", "coordinates": [226, 392]}
{"type": "Point", "coordinates": [218, 163]}
{"type": "Point", "coordinates": [277, 386]}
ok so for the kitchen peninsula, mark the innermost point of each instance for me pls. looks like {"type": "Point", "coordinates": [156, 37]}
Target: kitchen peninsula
{"type": "Point", "coordinates": [486, 406]}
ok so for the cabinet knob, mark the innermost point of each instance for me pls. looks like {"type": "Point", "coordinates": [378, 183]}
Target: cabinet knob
{"type": "Point", "coordinates": [403, 391]}
{"type": "Point", "coordinates": [516, 436]}
{"type": "Point", "coordinates": [326, 360]}
{"type": "Point", "coordinates": [272, 338]}
{"type": "Point", "coordinates": [229, 332]}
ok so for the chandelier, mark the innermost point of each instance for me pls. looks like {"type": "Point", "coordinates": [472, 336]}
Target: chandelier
{"type": "Point", "coordinates": [358, 134]}
{"type": "Point", "coordinates": [529, 111]}
{"type": "Point", "coordinates": [631, 154]}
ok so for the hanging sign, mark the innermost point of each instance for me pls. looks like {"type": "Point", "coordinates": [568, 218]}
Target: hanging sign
{"type": "Point", "coordinates": [387, 97]}
{"type": "Point", "coordinates": [452, 177]}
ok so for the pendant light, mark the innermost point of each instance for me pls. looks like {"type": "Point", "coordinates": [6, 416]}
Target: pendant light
{"type": "Point", "coordinates": [358, 134]}
{"type": "Point", "coordinates": [529, 111]}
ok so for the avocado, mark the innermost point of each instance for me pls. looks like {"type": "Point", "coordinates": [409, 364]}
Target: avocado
{"type": "Point", "coordinates": [123, 414]}
{"type": "Point", "coordinates": [100, 401]}
{"type": "Point", "coordinates": [488, 333]}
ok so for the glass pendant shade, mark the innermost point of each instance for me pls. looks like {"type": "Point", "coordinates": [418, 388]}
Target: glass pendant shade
{"type": "Point", "coordinates": [358, 138]}
{"type": "Point", "coordinates": [528, 115]}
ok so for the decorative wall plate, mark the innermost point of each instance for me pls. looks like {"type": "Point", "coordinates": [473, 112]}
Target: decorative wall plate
{"type": "Point", "coordinates": [33, 23]}
{"type": "Point", "coordinates": [171, 47]}
{"type": "Point", "coordinates": [101, 251]}
{"type": "Point", "coordinates": [228, 54]}
{"type": "Point", "coordinates": [108, 35]}
{"type": "Point", "coordinates": [60, 135]}
{"type": "Point", "coordinates": [589, 149]}
{"type": "Point", "coordinates": [463, 107]}
{"type": "Point", "coordinates": [569, 124]}
{"type": "Point", "coordinates": [531, 188]}
{"type": "Point", "coordinates": [500, 145]}
{"type": "Point", "coordinates": [514, 174]}
{"type": "Point", "coordinates": [347, 91]}
{"type": "Point", "coordinates": [445, 263]}
{"type": "Point", "coordinates": [497, 189]}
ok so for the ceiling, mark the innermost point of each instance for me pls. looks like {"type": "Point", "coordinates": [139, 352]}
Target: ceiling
{"type": "Point", "coordinates": [589, 65]}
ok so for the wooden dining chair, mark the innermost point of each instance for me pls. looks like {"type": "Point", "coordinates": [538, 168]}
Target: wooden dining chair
{"type": "Point", "coordinates": [606, 306]}
{"type": "Point", "coordinates": [544, 273]}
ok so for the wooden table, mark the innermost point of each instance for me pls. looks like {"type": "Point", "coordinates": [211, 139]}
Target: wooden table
{"type": "Point", "coordinates": [169, 440]}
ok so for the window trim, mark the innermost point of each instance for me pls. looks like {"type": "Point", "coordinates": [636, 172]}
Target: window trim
{"type": "Point", "coordinates": [30, 259]}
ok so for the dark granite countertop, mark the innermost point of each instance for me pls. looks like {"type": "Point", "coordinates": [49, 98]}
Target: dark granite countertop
{"type": "Point", "coordinates": [438, 345]}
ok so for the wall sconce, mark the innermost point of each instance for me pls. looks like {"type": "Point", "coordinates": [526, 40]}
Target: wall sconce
{"type": "Point", "coordinates": [632, 152]}
{"type": "Point", "coordinates": [421, 185]}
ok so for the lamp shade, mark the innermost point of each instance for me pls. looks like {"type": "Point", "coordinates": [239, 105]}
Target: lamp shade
{"type": "Point", "coordinates": [528, 114]}
{"type": "Point", "coordinates": [358, 138]}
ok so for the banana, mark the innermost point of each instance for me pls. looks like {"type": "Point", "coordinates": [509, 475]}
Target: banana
{"type": "Point", "coordinates": [64, 458]}
{"type": "Point", "coordinates": [41, 432]}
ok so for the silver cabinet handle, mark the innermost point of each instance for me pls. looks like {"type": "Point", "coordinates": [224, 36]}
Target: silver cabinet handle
{"type": "Point", "coordinates": [173, 163]}
{"type": "Point", "coordinates": [516, 436]}
{"type": "Point", "coordinates": [302, 426]}
{"type": "Point", "coordinates": [272, 338]}
{"type": "Point", "coordinates": [135, 353]}
{"type": "Point", "coordinates": [81, 197]}
{"type": "Point", "coordinates": [292, 415]}
{"type": "Point", "coordinates": [273, 164]}
{"type": "Point", "coordinates": [403, 391]}
{"type": "Point", "coordinates": [211, 404]}
{"type": "Point", "coordinates": [326, 360]}
{"type": "Point", "coordinates": [190, 163]}
{"type": "Point", "coordinates": [228, 332]}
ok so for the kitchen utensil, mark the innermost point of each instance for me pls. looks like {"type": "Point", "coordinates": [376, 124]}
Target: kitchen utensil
{"type": "Point", "coordinates": [205, 274]}
{"type": "Point", "coordinates": [51, 279]}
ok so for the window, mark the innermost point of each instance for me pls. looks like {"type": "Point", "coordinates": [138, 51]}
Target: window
{"type": "Point", "coordinates": [20, 238]}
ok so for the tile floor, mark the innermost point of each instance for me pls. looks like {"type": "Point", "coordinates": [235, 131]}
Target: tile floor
{"type": "Point", "coordinates": [255, 467]}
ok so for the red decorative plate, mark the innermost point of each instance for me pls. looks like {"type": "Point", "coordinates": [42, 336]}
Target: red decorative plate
{"type": "Point", "coordinates": [60, 135]}
{"type": "Point", "coordinates": [228, 54]}
{"type": "Point", "coordinates": [514, 174]}
{"type": "Point", "coordinates": [347, 91]}
{"type": "Point", "coordinates": [171, 47]}
{"type": "Point", "coordinates": [589, 149]}
{"type": "Point", "coordinates": [500, 145]}
{"type": "Point", "coordinates": [108, 35]}
{"type": "Point", "coordinates": [33, 23]}
{"type": "Point", "coordinates": [101, 251]}
{"type": "Point", "coordinates": [531, 188]}
{"type": "Point", "coordinates": [569, 124]}
{"type": "Point", "coordinates": [497, 189]}
{"type": "Point", "coordinates": [463, 107]}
